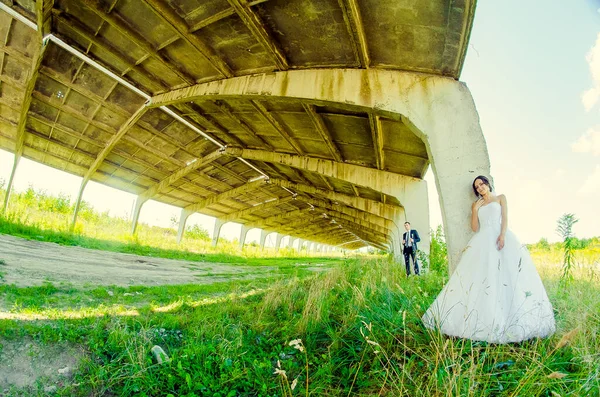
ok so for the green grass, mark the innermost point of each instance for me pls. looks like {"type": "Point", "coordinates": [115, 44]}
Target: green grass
{"type": "Point", "coordinates": [36, 215]}
{"type": "Point", "coordinates": [359, 324]}
{"type": "Point", "coordinates": [356, 327]}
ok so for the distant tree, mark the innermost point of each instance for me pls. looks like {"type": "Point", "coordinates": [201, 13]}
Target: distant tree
{"type": "Point", "coordinates": [565, 230]}
{"type": "Point", "coordinates": [542, 244]}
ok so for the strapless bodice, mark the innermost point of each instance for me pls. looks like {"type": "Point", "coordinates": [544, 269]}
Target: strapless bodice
{"type": "Point", "coordinates": [490, 215]}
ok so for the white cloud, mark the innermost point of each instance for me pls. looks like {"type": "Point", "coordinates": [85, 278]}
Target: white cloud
{"type": "Point", "coordinates": [591, 184]}
{"type": "Point", "coordinates": [590, 97]}
{"type": "Point", "coordinates": [588, 142]}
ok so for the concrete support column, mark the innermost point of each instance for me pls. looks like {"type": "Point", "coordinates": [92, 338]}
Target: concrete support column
{"type": "Point", "coordinates": [458, 153]}
{"type": "Point", "coordinates": [78, 204]}
{"type": "Point", "coordinates": [10, 182]}
{"type": "Point", "coordinates": [217, 231]}
{"type": "Point", "coordinates": [278, 241]}
{"type": "Point", "coordinates": [416, 211]}
{"type": "Point", "coordinates": [243, 234]}
{"type": "Point", "coordinates": [185, 214]}
{"type": "Point", "coordinates": [396, 242]}
{"type": "Point", "coordinates": [139, 202]}
{"type": "Point", "coordinates": [263, 238]}
{"type": "Point", "coordinates": [291, 242]}
{"type": "Point", "coordinates": [300, 243]}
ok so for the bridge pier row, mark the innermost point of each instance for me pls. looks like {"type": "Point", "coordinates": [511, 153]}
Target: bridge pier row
{"type": "Point", "coordinates": [438, 110]}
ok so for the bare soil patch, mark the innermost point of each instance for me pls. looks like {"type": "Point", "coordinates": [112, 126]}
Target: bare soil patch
{"type": "Point", "coordinates": [29, 263]}
{"type": "Point", "coordinates": [26, 362]}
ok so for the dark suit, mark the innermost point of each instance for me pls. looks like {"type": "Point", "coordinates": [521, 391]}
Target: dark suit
{"type": "Point", "coordinates": [410, 251]}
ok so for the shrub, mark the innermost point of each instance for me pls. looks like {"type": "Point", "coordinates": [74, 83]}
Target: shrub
{"type": "Point", "coordinates": [197, 233]}
{"type": "Point", "coordinates": [438, 254]}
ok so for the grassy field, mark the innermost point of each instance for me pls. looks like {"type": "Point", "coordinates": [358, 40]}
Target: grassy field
{"type": "Point", "coordinates": [36, 215]}
{"type": "Point", "coordinates": [354, 330]}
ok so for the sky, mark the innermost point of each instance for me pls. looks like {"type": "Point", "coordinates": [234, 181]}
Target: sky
{"type": "Point", "coordinates": [533, 68]}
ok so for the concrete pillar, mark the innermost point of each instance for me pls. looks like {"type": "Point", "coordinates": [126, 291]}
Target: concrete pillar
{"type": "Point", "coordinates": [217, 231]}
{"type": "Point", "coordinates": [458, 154]}
{"type": "Point", "coordinates": [139, 202]}
{"type": "Point", "coordinates": [10, 182]}
{"type": "Point", "coordinates": [278, 241]}
{"type": "Point", "coordinates": [243, 234]}
{"type": "Point", "coordinates": [185, 214]}
{"type": "Point", "coordinates": [78, 204]}
{"type": "Point", "coordinates": [291, 242]}
{"type": "Point", "coordinates": [263, 238]}
{"type": "Point", "coordinates": [300, 243]}
{"type": "Point", "coordinates": [416, 211]}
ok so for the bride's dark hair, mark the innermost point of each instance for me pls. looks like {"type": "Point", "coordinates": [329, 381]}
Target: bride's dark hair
{"type": "Point", "coordinates": [485, 181]}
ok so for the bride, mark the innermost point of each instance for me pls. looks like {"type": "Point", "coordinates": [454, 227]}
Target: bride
{"type": "Point", "coordinates": [495, 294]}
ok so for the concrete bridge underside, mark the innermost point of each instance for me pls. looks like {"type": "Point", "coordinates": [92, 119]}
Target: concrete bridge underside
{"type": "Point", "coordinates": [213, 108]}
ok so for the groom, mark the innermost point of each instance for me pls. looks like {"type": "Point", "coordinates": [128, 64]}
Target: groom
{"type": "Point", "coordinates": [409, 242]}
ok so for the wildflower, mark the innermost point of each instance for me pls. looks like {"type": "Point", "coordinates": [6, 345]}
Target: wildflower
{"type": "Point", "coordinates": [297, 344]}
{"type": "Point", "coordinates": [279, 371]}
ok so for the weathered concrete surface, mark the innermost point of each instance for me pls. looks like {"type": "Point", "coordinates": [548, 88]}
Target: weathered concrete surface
{"type": "Point", "coordinates": [439, 110]}
{"type": "Point", "coordinates": [386, 107]}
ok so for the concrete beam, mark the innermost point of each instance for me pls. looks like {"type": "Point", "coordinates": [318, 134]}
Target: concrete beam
{"type": "Point", "coordinates": [226, 109]}
{"type": "Point", "coordinates": [167, 14]}
{"type": "Point", "coordinates": [256, 26]}
{"type": "Point", "coordinates": [363, 204]}
{"type": "Point", "coordinates": [376, 220]}
{"type": "Point", "coordinates": [279, 127]}
{"type": "Point", "coordinates": [260, 207]}
{"type": "Point", "coordinates": [43, 11]}
{"type": "Point", "coordinates": [103, 154]}
{"type": "Point", "coordinates": [119, 24]}
{"type": "Point", "coordinates": [377, 137]}
{"type": "Point", "coordinates": [323, 131]}
{"type": "Point", "coordinates": [382, 181]}
{"type": "Point", "coordinates": [191, 167]}
{"type": "Point", "coordinates": [275, 218]}
{"type": "Point", "coordinates": [226, 195]}
{"type": "Point", "coordinates": [356, 31]}
{"type": "Point", "coordinates": [439, 110]}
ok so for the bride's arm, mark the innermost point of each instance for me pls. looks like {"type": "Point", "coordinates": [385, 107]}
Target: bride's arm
{"type": "Point", "coordinates": [504, 226]}
{"type": "Point", "coordinates": [474, 218]}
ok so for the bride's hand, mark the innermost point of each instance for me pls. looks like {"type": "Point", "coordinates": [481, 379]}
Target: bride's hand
{"type": "Point", "coordinates": [477, 204]}
{"type": "Point", "coordinates": [500, 242]}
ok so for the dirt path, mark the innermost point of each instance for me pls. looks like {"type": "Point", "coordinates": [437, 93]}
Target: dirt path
{"type": "Point", "coordinates": [27, 263]}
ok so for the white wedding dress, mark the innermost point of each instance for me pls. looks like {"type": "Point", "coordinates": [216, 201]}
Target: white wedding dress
{"type": "Point", "coordinates": [493, 295]}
